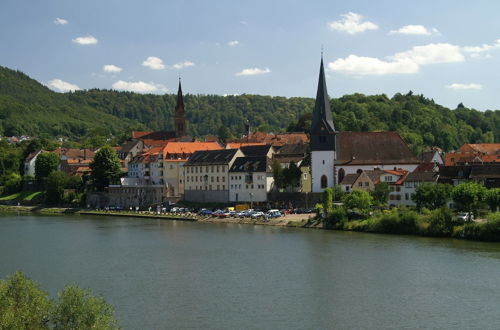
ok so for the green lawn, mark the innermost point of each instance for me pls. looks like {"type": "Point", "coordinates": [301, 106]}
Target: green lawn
{"type": "Point", "coordinates": [23, 195]}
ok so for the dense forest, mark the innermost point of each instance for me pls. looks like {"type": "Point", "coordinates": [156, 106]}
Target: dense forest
{"type": "Point", "coordinates": [27, 107]}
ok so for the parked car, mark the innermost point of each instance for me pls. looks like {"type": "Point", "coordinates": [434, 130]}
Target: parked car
{"type": "Point", "coordinates": [257, 215]}
{"type": "Point", "coordinates": [224, 214]}
{"type": "Point", "coordinates": [205, 212]}
{"type": "Point", "coordinates": [246, 213]}
{"type": "Point", "coordinates": [273, 214]}
{"type": "Point", "coordinates": [465, 216]}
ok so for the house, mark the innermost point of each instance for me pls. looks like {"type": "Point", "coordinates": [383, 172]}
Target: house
{"type": "Point", "coordinates": [276, 140]}
{"type": "Point", "coordinates": [258, 150]}
{"type": "Point", "coordinates": [175, 155]}
{"type": "Point", "coordinates": [147, 168]}
{"type": "Point", "coordinates": [469, 153]}
{"type": "Point", "coordinates": [129, 150]}
{"type": "Point", "coordinates": [488, 174]}
{"type": "Point", "coordinates": [207, 175]}
{"type": "Point", "coordinates": [74, 161]}
{"type": "Point", "coordinates": [363, 180]}
{"type": "Point", "coordinates": [289, 153]}
{"type": "Point", "coordinates": [250, 179]}
{"type": "Point", "coordinates": [395, 179]}
{"type": "Point", "coordinates": [432, 156]}
{"type": "Point", "coordinates": [412, 181]}
{"type": "Point", "coordinates": [29, 162]}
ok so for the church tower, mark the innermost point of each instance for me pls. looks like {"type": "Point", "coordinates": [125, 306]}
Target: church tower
{"type": "Point", "coordinates": [322, 138]}
{"type": "Point", "coordinates": [180, 120]}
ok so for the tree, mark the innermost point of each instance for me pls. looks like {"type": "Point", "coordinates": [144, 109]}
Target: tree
{"type": "Point", "coordinates": [223, 133]}
{"type": "Point", "coordinates": [78, 309]}
{"type": "Point", "coordinates": [45, 163]}
{"type": "Point", "coordinates": [12, 183]}
{"type": "Point", "coordinates": [468, 196]}
{"type": "Point", "coordinates": [358, 199]}
{"type": "Point", "coordinates": [492, 198]}
{"type": "Point", "coordinates": [432, 195]}
{"type": "Point", "coordinates": [278, 175]}
{"type": "Point", "coordinates": [327, 200]}
{"type": "Point", "coordinates": [291, 175]}
{"type": "Point", "coordinates": [56, 182]}
{"type": "Point", "coordinates": [381, 193]}
{"type": "Point", "coordinates": [23, 305]}
{"type": "Point", "coordinates": [105, 167]}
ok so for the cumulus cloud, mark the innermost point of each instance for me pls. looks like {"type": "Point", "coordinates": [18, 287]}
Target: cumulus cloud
{"type": "Point", "coordinates": [88, 40]}
{"type": "Point", "coordinates": [253, 71]}
{"type": "Point", "coordinates": [139, 87]}
{"type": "Point", "coordinates": [406, 62]}
{"type": "Point", "coordinates": [183, 64]}
{"type": "Point", "coordinates": [233, 43]}
{"type": "Point", "coordinates": [415, 30]}
{"type": "Point", "coordinates": [62, 86]}
{"type": "Point", "coordinates": [352, 23]}
{"type": "Point", "coordinates": [60, 21]}
{"type": "Point", "coordinates": [111, 68]}
{"type": "Point", "coordinates": [464, 86]}
{"type": "Point", "coordinates": [482, 51]}
{"type": "Point", "coordinates": [154, 63]}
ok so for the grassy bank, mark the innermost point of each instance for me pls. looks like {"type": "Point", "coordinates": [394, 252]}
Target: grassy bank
{"type": "Point", "coordinates": [438, 223]}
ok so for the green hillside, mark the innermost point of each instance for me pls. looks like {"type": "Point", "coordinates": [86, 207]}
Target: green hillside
{"type": "Point", "coordinates": [28, 107]}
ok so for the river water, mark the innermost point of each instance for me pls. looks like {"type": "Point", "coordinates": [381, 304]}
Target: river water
{"type": "Point", "coordinates": [162, 274]}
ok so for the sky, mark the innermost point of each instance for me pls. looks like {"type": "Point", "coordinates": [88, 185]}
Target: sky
{"type": "Point", "coordinates": [446, 50]}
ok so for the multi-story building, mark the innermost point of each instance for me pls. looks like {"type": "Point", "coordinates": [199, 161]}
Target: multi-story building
{"type": "Point", "coordinates": [207, 175]}
{"type": "Point", "coordinates": [250, 179]}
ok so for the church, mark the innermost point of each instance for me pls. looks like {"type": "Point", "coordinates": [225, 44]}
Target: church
{"type": "Point", "coordinates": [335, 154]}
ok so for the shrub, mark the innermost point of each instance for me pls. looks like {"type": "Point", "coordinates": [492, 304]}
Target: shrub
{"type": "Point", "coordinates": [440, 222]}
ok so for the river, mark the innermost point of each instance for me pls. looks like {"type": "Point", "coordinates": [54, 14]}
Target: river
{"type": "Point", "coordinates": [161, 274]}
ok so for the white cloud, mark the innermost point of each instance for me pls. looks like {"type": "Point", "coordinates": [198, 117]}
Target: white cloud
{"type": "Point", "coordinates": [111, 68]}
{"type": "Point", "coordinates": [62, 86]}
{"type": "Point", "coordinates": [464, 86]}
{"type": "Point", "coordinates": [88, 40]}
{"type": "Point", "coordinates": [154, 63]}
{"type": "Point", "coordinates": [253, 71]}
{"type": "Point", "coordinates": [415, 30]}
{"type": "Point", "coordinates": [359, 65]}
{"type": "Point", "coordinates": [233, 43]}
{"type": "Point", "coordinates": [478, 51]}
{"type": "Point", "coordinates": [181, 65]}
{"type": "Point", "coordinates": [401, 63]}
{"type": "Point", "coordinates": [139, 87]}
{"type": "Point", "coordinates": [352, 23]}
{"type": "Point", "coordinates": [431, 54]}
{"type": "Point", "coordinates": [244, 22]}
{"type": "Point", "coordinates": [60, 21]}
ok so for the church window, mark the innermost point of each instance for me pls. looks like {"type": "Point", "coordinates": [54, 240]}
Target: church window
{"type": "Point", "coordinates": [324, 181]}
{"type": "Point", "coordinates": [323, 162]}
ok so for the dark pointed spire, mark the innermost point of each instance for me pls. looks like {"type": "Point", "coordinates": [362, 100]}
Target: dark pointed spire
{"type": "Point", "coordinates": [322, 113]}
{"type": "Point", "coordinates": [180, 98]}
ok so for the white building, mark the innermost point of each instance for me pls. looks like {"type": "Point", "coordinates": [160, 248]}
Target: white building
{"type": "Point", "coordinates": [250, 179]}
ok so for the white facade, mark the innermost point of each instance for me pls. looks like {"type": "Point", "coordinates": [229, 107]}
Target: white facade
{"type": "Point", "coordinates": [249, 187]}
{"type": "Point", "coordinates": [29, 166]}
{"type": "Point", "coordinates": [351, 169]}
{"type": "Point", "coordinates": [322, 164]}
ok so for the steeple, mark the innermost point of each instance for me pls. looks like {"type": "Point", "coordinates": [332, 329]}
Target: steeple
{"type": "Point", "coordinates": [322, 128]}
{"type": "Point", "coordinates": [180, 98]}
{"type": "Point", "coordinates": [180, 120]}
{"type": "Point", "coordinates": [322, 115]}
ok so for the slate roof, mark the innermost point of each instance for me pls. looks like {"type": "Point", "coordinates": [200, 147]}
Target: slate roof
{"type": "Point", "coordinates": [211, 157]}
{"type": "Point", "coordinates": [251, 164]}
{"type": "Point", "coordinates": [349, 179]}
{"type": "Point", "coordinates": [289, 150]}
{"type": "Point", "coordinates": [128, 146]}
{"type": "Point", "coordinates": [261, 150]}
{"type": "Point", "coordinates": [422, 177]}
{"type": "Point", "coordinates": [322, 114]}
{"type": "Point", "coordinates": [358, 148]}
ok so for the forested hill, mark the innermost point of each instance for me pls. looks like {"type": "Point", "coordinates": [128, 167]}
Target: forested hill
{"type": "Point", "coordinates": [28, 107]}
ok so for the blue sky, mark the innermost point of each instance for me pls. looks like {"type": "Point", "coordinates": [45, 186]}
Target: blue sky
{"type": "Point", "coordinates": [446, 50]}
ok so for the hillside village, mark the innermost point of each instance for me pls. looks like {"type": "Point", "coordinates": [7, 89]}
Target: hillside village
{"type": "Point", "coordinates": [169, 166]}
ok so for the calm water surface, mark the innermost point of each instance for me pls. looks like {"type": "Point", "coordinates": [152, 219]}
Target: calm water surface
{"type": "Point", "coordinates": [178, 275]}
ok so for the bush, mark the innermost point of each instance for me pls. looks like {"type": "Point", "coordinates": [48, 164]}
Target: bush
{"type": "Point", "coordinates": [441, 222]}
{"type": "Point", "coordinates": [12, 182]}
{"type": "Point", "coordinates": [336, 218]}
{"type": "Point", "coordinates": [396, 222]}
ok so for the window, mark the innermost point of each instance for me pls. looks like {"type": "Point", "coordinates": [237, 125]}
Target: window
{"type": "Point", "coordinates": [223, 187]}
{"type": "Point", "coordinates": [366, 184]}
{"type": "Point", "coordinates": [171, 166]}
{"type": "Point", "coordinates": [408, 184]}
{"type": "Point", "coordinates": [218, 187]}
{"type": "Point", "coordinates": [322, 139]}
{"type": "Point", "coordinates": [398, 189]}
{"type": "Point", "coordinates": [324, 181]}
{"type": "Point", "coordinates": [217, 179]}
{"type": "Point", "coordinates": [218, 168]}
{"type": "Point", "coordinates": [223, 169]}
{"type": "Point", "coordinates": [341, 175]}
{"type": "Point", "coordinates": [323, 162]}
{"type": "Point", "coordinates": [407, 196]}
{"type": "Point", "coordinates": [360, 184]}
{"type": "Point", "coordinates": [305, 176]}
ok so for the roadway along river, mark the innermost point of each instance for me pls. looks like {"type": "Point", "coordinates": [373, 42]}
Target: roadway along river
{"type": "Point", "coordinates": [163, 274]}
